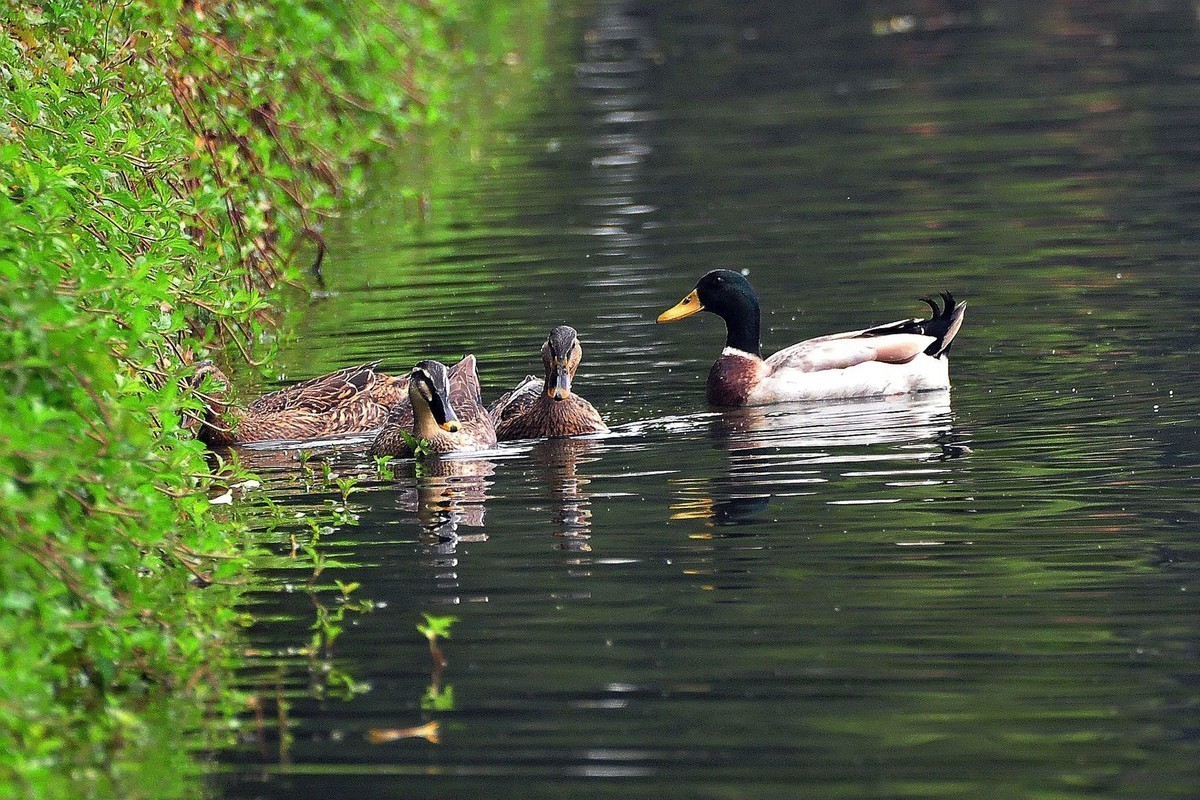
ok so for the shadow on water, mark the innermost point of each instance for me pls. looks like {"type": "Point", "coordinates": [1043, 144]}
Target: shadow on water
{"type": "Point", "coordinates": [989, 593]}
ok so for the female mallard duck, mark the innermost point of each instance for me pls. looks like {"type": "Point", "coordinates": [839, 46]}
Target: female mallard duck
{"type": "Point", "coordinates": [539, 408]}
{"type": "Point", "coordinates": [901, 357]}
{"type": "Point", "coordinates": [351, 400]}
{"type": "Point", "coordinates": [446, 411]}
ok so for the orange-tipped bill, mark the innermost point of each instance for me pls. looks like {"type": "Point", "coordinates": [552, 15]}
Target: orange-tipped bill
{"type": "Point", "coordinates": [561, 389]}
{"type": "Point", "coordinates": [443, 412]}
{"type": "Point", "coordinates": [684, 308]}
{"type": "Point", "coordinates": [429, 385]}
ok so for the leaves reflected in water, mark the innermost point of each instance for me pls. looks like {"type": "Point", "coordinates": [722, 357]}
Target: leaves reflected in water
{"type": "Point", "coordinates": [438, 698]}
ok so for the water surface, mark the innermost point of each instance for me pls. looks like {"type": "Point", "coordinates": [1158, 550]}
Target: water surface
{"type": "Point", "coordinates": [989, 592]}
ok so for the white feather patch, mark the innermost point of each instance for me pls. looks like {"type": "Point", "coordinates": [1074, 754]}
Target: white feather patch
{"type": "Point", "coordinates": [866, 379]}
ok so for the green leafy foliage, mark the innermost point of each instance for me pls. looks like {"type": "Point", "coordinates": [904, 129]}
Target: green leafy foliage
{"type": "Point", "coordinates": [436, 627]}
{"type": "Point", "coordinates": [163, 166]}
{"type": "Point", "coordinates": [438, 698]}
{"type": "Point", "coordinates": [383, 467]}
{"type": "Point", "coordinates": [420, 446]}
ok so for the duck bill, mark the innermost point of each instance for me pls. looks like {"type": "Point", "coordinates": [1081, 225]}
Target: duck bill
{"type": "Point", "coordinates": [684, 308]}
{"type": "Point", "coordinates": [444, 415]}
{"type": "Point", "coordinates": [560, 388]}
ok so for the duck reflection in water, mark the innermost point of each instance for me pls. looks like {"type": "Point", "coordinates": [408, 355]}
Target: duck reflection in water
{"type": "Point", "coordinates": [785, 450]}
{"type": "Point", "coordinates": [556, 463]}
{"type": "Point", "coordinates": [448, 495]}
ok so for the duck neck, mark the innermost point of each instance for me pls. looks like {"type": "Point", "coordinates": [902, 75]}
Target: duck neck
{"type": "Point", "coordinates": [219, 424]}
{"type": "Point", "coordinates": [742, 326]}
{"type": "Point", "coordinates": [424, 425]}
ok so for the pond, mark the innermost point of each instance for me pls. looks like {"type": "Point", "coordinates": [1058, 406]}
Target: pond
{"type": "Point", "coordinates": [987, 592]}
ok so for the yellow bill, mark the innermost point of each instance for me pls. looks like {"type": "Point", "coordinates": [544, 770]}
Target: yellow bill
{"type": "Point", "coordinates": [684, 308]}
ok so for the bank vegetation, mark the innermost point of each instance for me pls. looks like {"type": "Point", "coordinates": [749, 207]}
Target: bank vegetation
{"type": "Point", "coordinates": [165, 172]}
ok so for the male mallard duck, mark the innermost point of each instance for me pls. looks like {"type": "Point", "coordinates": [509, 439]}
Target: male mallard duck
{"type": "Point", "coordinates": [897, 358]}
{"type": "Point", "coordinates": [446, 411]}
{"type": "Point", "coordinates": [539, 408]}
{"type": "Point", "coordinates": [351, 400]}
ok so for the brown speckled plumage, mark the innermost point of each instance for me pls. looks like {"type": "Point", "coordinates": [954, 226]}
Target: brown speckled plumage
{"type": "Point", "coordinates": [539, 416]}
{"type": "Point", "coordinates": [476, 431]}
{"type": "Point", "coordinates": [352, 400]}
{"type": "Point", "coordinates": [539, 408]}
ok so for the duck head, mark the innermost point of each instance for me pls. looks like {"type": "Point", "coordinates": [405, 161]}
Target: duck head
{"type": "Point", "coordinates": [561, 355]}
{"type": "Point", "coordinates": [215, 425]}
{"type": "Point", "coordinates": [429, 391]}
{"type": "Point", "coordinates": [730, 296]}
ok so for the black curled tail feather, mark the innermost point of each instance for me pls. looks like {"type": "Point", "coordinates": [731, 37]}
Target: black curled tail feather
{"type": "Point", "coordinates": [944, 323]}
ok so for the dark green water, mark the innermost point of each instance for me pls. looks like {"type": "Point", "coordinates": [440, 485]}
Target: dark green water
{"type": "Point", "coordinates": [986, 593]}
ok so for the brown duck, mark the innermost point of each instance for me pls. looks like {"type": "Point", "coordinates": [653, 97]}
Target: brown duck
{"type": "Point", "coordinates": [445, 410]}
{"type": "Point", "coordinates": [352, 400]}
{"type": "Point", "coordinates": [539, 408]}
